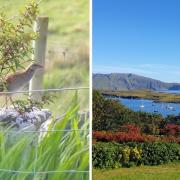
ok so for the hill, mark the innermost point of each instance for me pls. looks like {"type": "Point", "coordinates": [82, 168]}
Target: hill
{"type": "Point", "coordinates": [128, 81]}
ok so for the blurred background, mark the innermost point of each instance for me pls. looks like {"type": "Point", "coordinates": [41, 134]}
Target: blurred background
{"type": "Point", "coordinates": [67, 53]}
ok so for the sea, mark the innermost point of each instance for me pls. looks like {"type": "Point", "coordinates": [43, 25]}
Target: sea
{"type": "Point", "coordinates": [145, 105]}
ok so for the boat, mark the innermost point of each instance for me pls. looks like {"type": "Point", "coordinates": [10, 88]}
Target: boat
{"type": "Point", "coordinates": [142, 106]}
{"type": "Point", "coordinates": [170, 107]}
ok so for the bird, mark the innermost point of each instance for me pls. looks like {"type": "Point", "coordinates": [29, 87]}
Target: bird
{"type": "Point", "coordinates": [18, 80]}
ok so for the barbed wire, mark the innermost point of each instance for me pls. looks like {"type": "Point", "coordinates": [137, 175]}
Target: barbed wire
{"type": "Point", "coordinates": [36, 154]}
{"type": "Point", "coordinates": [36, 157]}
{"type": "Point", "coordinates": [38, 132]}
{"type": "Point", "coordinates": [43, 172]}
{"type": "Point", "coordinates": [34, 170]}
{"type": "Point", "coordinates": [45, 90]}
{"type": "Point", "coordinates": [41, 131]}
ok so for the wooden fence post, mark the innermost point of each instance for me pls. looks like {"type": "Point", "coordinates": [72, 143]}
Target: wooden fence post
{"type": "Point", "coordinates": [39, 47]}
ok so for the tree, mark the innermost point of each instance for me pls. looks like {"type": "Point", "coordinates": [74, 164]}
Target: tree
{"type": "Point", "coordinates": [110, 115]}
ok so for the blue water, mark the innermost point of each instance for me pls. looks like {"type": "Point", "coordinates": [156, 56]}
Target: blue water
{"type": "Point", "coordinates": [150, 106]}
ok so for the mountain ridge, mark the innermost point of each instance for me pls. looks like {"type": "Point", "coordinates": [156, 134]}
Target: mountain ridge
{"type": "Point", "coordinates": [130, 81]}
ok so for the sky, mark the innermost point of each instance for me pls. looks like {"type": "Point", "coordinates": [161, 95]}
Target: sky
{"type": "Point", "coordinates": [137, 36]}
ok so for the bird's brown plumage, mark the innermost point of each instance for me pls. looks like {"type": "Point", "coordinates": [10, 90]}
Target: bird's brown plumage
{"type": "Point", "coordinates": [15, 81]}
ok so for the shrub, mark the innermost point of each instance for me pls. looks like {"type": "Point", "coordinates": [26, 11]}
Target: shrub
{"type": "Point", "coordinates": [119, 137]}
{"type": "Point", "coordinates": [111, 155]}
{"type": "Point", "coordinates": [172, 119]}
{"type": "Point", "coordinates": [106, 113]}
{"type": "Point", "coordinates": [110, 115]}
{"type": "Point", "coordinates": [126, 154]}
{"type": "Point", "coordinates": [171, 129]}
{"type": "Point", "coordinates": [106, 155]}
{"type": "Point", "coordinates": [122, 137]}
{"type": "Point", "coordinates": [16, 40]}
{"type": "Point", "coordinates": [130, 128]}
{"type": "Point", "coordinates": [160, 153]}
{"type": "Point", "coordinates": [131, 133]}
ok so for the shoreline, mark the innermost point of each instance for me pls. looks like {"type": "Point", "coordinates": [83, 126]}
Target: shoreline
{"type": "Point", "coordinates": [156, 97]}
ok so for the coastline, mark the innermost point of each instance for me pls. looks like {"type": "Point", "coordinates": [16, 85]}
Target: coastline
{"type": "Point", "coordinates": [144, 94]}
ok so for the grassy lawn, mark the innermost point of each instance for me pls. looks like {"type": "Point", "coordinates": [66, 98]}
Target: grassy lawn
{"type": "Point", "coordinates": [162, 172]}
{"type": "Point", "coordinates": [145, 94]}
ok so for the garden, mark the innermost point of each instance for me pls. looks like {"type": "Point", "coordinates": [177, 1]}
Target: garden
{"type": "Point", "coordinates": [123, 138]}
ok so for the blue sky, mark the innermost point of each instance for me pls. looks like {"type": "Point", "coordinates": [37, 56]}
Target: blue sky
{"type": "Point", "coordinates": [137, 36]}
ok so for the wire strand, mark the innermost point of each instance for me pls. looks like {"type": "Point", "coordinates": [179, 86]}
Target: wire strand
{"type": "Point", "coordinates": [43, 172]}
{"type": "Point", "coordinates": [44, 90]}
{"type": "Point", "coordinates": [40, 131]}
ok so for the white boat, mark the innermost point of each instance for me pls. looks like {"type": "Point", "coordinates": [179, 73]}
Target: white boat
{"type": "Point", "coordinates": [170, 107]}
{"type": "Point", "coordinates": [141, 106]}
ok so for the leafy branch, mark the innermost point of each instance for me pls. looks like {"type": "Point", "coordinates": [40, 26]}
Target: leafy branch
{"type": "Point", "coordinates": [16, 40]}
{"type": "Point", "coordinates": [28, 105]}
{"type": "Point", "coordinates": [16, 50]}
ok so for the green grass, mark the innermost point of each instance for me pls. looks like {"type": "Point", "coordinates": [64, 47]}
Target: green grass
{"type": "Point", "coordinates": [56, 151]}
{"type": "Point", "coordinates": [68, 20]}
{"type": "Point", "coordinates": [62, 101]}
{"type": "Point", "coordinates": [146, 94]}
{"type": "Point", "coordinates": [162, 172]}
{"type": "Point", "coordinates": [76, 75]}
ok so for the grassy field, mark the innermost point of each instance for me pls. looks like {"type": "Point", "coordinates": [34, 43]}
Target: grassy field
{"type": "Point", "coordinates": [75, 74]}
{"type": "Point", "coordinates": [145, 94]}
{"type": "Point", "coordinates": [68, 20]}
{"type": "Point", "coordinates": [162, 172]}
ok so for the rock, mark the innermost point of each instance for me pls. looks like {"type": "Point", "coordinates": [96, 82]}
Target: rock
{"type": "Point", "coordinates": [10, 117]}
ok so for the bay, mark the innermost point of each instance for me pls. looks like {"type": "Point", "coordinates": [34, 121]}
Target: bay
{"type": "Point", "coordinates": [150, 106]}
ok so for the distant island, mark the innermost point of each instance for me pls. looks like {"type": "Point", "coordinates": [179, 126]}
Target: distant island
{"type": "Point", "coordinates": [128, 81]}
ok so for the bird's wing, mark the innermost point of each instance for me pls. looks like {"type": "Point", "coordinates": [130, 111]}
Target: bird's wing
{"type": "Point", "coordinates": [13, 77]}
